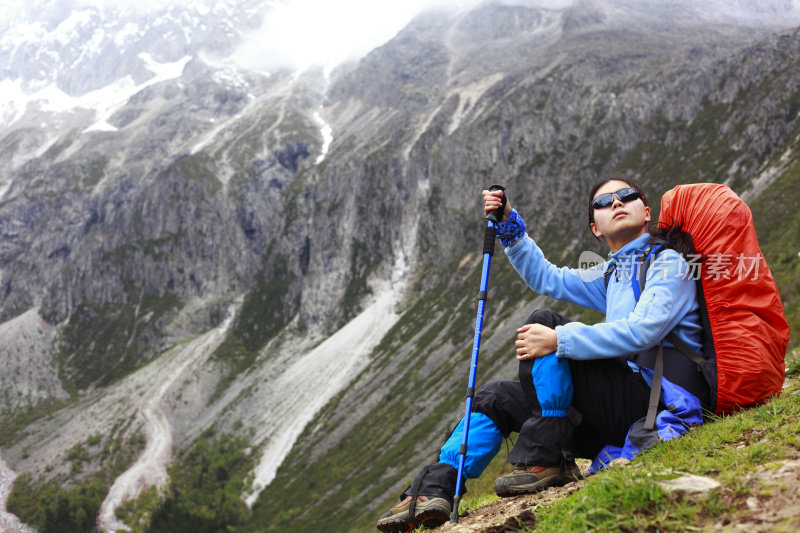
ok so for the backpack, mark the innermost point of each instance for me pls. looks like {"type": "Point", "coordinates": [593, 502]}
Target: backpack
{"type": "Point", "coordinates": [745, 330]}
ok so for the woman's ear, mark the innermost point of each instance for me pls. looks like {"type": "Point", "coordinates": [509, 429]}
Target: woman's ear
{"type": "Point", "coordinates": [595, 231]}
{"type": "Point", "coordinates": [647, 214]}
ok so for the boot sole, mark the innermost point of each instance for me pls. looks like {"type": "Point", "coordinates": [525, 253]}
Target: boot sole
{"type": "Point", "coordinates": [505, 491]}
{"type": "Point", "coordinates": [430, 518]}
{"type": "Point", "coordinates": [396, 526]}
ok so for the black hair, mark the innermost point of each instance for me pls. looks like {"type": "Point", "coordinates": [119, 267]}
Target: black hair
{"type": "Point", "coordinates": [673, 237]}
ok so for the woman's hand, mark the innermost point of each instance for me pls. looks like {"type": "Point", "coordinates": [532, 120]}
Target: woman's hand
{"type": "Point", "coordinates": [493, 200]}
{"type": "Point", "coordinates": [535, 340]}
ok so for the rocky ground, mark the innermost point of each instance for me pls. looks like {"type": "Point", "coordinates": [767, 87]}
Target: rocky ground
{"type": "Point", "coordinates": [508, 514]}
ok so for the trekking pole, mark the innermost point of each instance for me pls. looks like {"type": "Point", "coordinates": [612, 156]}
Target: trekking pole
{"type": "Point", "coordinates": [493, 218]}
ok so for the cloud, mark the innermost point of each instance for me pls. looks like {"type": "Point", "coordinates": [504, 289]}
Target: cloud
{"type": "Point", "coordinates": [295, 34]}
{"type": "Point", "coordinates": [17, 7]}
{"type": "Point", "coordinates": [302, 33]}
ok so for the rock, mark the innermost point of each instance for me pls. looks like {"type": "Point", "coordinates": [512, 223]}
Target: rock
{"type": "Point", "coordinates": [690, 484]}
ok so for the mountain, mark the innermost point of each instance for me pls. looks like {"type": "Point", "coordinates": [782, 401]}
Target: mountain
{"type": "Point", "coordinates": [278, 269]}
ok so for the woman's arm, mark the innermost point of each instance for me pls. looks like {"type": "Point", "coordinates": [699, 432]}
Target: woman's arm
{"type": "Point", "coordinates": [584, 287]}
{"type": "Point", "coordinates": [668, 297]}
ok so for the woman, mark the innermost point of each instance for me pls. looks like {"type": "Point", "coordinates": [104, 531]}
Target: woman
{"type": "Point", "coordinates": [581, 392]}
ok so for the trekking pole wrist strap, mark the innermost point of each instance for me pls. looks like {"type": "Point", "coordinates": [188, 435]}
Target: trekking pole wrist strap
{"type": "Point", "coordinates": [511, 230]}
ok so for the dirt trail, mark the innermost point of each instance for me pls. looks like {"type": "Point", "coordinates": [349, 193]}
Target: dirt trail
{"type": "Point", "coordinates": [151, 467]}
{"type": "Point", "coordinates": [8, 522]}
{"type": "Point", "coordinates": [505, 514]}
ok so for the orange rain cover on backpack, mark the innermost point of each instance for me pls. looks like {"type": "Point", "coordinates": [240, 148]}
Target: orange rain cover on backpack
{"type": "Point", "coordinates": [745, 314]}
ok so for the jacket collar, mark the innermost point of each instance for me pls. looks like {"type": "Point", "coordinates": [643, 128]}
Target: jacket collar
{"type": "Point", "coordinates": [629, 249]}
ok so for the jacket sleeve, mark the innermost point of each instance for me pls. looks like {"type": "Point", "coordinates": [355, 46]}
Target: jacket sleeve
{"type": "Point", "coordinates": [668, 296]}
{"type": "Point", "coordinates": [584, 287]}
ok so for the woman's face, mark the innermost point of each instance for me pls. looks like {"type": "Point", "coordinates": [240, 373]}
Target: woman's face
{"type": "Point", "coordinates": [620, 222]}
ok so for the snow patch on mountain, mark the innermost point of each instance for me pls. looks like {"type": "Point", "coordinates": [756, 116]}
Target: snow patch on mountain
{"type": "Point", "coordinates": [3, 190]}
{"type": "Point", "coordinates": [104, 102]}
{"type": "Point", "coordinates": [110, 102]}
{"type": "Point", "coordinates": [327, 136]}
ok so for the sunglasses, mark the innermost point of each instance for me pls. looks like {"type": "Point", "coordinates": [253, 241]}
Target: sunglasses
{"type": "Point", "coordinates": [628, 194]}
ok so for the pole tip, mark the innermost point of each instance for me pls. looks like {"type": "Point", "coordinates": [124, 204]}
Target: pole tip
{"type": "Point", "coordinates": [454, 516]}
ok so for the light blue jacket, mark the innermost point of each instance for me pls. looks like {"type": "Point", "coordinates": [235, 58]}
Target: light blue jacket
{"type": "Point", "coordinates": [668, 302]}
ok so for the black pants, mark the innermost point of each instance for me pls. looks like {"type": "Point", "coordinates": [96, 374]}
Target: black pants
{"type": "Point", "coordinates": [608, 399]}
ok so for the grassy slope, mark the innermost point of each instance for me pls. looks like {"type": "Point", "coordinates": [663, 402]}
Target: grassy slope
{"type": "Point", "coordinates": [741, 451]}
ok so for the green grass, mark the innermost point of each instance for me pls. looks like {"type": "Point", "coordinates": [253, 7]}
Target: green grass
{"type": "Point", "coordinates": [105, 342]}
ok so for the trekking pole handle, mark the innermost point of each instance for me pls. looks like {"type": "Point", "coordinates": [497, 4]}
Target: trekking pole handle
{"type": "Point", "coordinates": [497, 215]}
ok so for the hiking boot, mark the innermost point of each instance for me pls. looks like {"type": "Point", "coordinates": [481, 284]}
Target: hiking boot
{"type": "Point", "coordinates": [429, 511]}
{"type": "Point", "coordinates": [571, 472]}
{"type": "Point", "coordinates": [525, 479]}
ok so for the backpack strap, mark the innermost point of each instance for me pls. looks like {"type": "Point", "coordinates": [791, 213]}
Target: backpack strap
{"type": "Point", "coordinates": [655, 390]}
{"type": "Point", "coordinates": [612, 267]}
{"type": "Point", "coordinates": [638, 281]}
{"type": "Point", "coordinates": [640, 274]}
{"type": "Point", "coordinates": [686, 350]}
{"type": "Point", "coordinates": [637, 284]}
